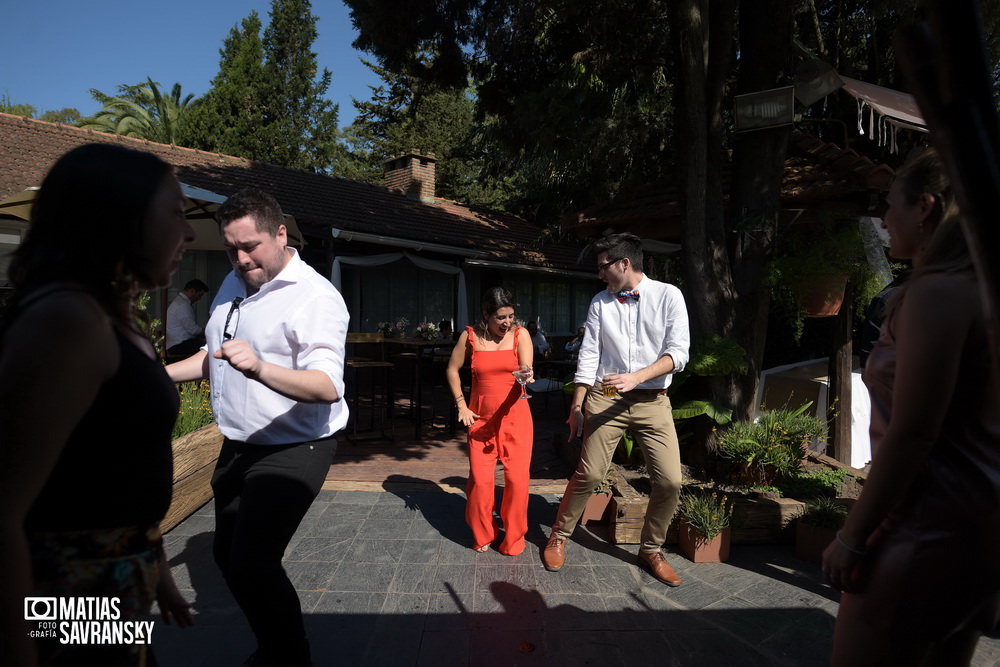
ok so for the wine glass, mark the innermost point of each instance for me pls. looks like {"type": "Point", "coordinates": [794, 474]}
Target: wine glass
{"type": "Point", "coordinates": [522, 374]}
{"type": "Point", "coordinates": [610, 390]}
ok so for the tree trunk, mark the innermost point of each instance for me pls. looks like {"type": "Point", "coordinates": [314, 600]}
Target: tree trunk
{"type": "Point", "coordinates": [759, 159]}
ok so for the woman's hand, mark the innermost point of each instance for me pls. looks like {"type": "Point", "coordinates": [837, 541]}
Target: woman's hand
{"type": "Point", "coordinates": [467, 416]}
{"type": "Point", "coordinates": [841, 567]}
{"type": "Point", "coordinates": [170, 600]}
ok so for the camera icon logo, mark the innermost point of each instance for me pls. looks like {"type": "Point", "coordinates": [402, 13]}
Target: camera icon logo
{"type": "Point", "coordinates": [40, 609]}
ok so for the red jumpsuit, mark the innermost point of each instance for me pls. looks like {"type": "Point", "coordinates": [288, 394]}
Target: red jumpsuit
{"type": "Point", "coordinates": [503, 432]}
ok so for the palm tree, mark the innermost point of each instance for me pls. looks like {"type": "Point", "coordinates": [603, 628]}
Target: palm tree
{"type": "Point", "coordinates": [142, 111]}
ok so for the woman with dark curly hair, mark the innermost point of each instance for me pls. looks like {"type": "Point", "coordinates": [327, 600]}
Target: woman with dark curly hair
{"type": "Point", "coordinates": [500, 425]}
{"type": "Point", "coordinates": [86, 408]}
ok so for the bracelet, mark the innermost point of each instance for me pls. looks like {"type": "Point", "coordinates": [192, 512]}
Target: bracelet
{"type": "Point", "coordinates": [856, 552]}
{"type": "Point", "coordinates": [459, 398]}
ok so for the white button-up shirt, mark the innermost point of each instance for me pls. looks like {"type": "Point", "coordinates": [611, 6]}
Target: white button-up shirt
{"type": "Point", "coordinates": [634, 334]}
{"type": "Point", "coordinates": [297, 320]}
{"type": "Point", "coordinates": [181, 324]}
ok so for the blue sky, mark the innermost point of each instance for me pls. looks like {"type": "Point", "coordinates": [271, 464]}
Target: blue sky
{"type": "Point", "coordinates": [54, 52]}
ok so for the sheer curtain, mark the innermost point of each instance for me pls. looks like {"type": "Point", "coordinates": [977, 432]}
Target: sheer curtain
{"type": "Point", "coordinates": [462, 316]}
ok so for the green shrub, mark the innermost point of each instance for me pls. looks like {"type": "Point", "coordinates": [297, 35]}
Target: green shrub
{"type": "Point", "coordinates": [804, 485]}
{"type": "Point", "coordinates": [779, 438]}
{"type": "Point", "coordinates": [195, 410]}
{"type": "Point", "coordinates": [706, 512]}
{"type": "Point", "coordinates": [824, 512]}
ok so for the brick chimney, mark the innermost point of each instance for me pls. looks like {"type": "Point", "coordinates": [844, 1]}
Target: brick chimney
{"type": "Point", "coordinates": [413, 174]}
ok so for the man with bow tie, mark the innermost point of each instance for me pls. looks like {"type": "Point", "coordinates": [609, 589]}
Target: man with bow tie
{"type": "Point", "coordinates": [639, 325]}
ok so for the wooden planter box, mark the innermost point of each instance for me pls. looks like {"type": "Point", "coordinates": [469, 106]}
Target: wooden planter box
{"type": "Point", "coordinates": [195, 455]}
{"type": "Point", "coordinates": [756, 520]}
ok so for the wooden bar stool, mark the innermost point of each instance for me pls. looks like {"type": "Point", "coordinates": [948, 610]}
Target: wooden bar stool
{"type": "Point", "coordinates": [366, 365]}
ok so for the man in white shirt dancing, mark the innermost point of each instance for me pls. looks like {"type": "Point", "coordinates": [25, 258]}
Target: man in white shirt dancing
{"type": "Point", "coordinates": [636, 338]}
{"type": "Point", "coordinates": [275, 355]}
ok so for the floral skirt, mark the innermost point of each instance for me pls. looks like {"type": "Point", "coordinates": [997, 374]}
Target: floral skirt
{"type": "Point", "coordinates": [121, 563]}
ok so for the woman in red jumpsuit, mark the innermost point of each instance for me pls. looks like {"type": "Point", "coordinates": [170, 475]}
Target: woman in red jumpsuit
{"type": "Point", "coordinates": [499, 421]}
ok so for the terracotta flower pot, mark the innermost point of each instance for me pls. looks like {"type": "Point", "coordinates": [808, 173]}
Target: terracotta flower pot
{"type": "Point", "coordinates": [812, 541]}
{"type": "Point", "coordinates": [764, 475]}
{"type": "Point", "coordinates": [823, 297]}
{"type": "Point", "coordinates": [596, 509]}
{"type": "Point", "coordinates": [696, 548]}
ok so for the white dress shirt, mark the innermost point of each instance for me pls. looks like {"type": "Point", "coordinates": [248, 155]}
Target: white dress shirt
{"type": "Point", "coordinates": [297, 320]}
{"type": "Point", "coordinates": [635, 334]}
{"type": "Point", "coordinates": [181, 324]}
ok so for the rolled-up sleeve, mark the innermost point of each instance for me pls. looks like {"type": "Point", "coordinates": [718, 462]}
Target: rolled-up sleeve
{"type": "Point", "coordinates": [320, 331]}
{"type": "Point", "coordinates": [677, 335]}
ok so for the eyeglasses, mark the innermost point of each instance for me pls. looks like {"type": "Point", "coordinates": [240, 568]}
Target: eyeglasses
{"type": "Point", "coordinates": [235, 308]}
{"type": "Point", "coordinates": [604, 267]}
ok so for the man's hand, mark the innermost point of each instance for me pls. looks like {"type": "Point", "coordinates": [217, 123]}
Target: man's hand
{"type": "Point", "coordinates": [622, 381]}
{"type": "Point", "coordinates": [575, 421]}
{"type": "Point", "coordinates": [240, 356]}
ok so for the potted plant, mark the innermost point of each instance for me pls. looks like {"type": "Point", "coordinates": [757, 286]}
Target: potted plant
{"type": "Point", "coordinates": [812, 264]}
{"type": "Point", "coordinates": [705, 526]}
{"type": "Point", "coordinates": [773, 446]}
{"type": "Point", "coordinates": [393, 328]}
{"type": "Point", "coordinates": [817, 527]}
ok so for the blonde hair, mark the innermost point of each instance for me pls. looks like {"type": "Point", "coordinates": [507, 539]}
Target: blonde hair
{"type": "Point", "coordinates": [946, 250]}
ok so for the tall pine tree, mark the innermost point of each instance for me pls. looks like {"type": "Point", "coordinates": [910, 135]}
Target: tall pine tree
{"type": "Point", "coordinates": [267, 101]}
{"type": "Point", "coordinates": [232, 113]}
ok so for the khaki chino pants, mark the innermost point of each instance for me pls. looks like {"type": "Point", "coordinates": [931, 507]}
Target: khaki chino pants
{"type": "Point", "coordinates": [648, 416]}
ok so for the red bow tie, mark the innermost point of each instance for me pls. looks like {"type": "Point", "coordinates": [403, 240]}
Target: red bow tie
{"type": "Point", "coordinates": [625, 295]}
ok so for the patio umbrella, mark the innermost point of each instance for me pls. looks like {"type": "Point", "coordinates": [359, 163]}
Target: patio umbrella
{"type": "Point", "coordinates": [200, 207]}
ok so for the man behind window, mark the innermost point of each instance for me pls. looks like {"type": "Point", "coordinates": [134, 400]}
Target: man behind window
{"type": "Point", "coordinates": [184, 336]}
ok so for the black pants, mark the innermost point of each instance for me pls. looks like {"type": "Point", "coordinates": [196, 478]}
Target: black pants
{"type": "Point", "coordinates": [261, 494]}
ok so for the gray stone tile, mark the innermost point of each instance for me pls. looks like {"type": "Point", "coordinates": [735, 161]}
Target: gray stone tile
{"type": "Point", "coordinates": [456, 578]}
{"type": "Point", "coordinates": [617, 579]}
{"type": "Point", "coordinates": [450, 611]}
{"type": "Point", "coordinates": [334, 644]}
{"type": "Point", "coordinates": [779, 594]}
{"type": "Point", "coordinates": [421, 580]}
{"type": "Point", "coordinates": [366, 498]}
{"type": "Point", "coordinates": [691, 594]}
{"type": "Point", "coordinates": [712, 647]}
{"type": "Point", "coordinates": [418, 551]}
{"type": "Point", "coordinates": [398, 646]}
{"type": "Point", "coordinates": [350, 608]}
{"type": "Point", "coordinates": [804, 639]}
{"type": "Point", "coordinates": [508, 607]}
{"type": "Point", "coordinates": [193, 525]}
{"type": "Point", "coordinates": [375, 551]}
{"type": "Point", "coordinates": [310, 575]}
{"type": "Point", "coordinates": [521, 575]}
{"type": "Point", "coordinates": [336, 528]}
{"type": "Point", "coordinates": [575, 612]}
{"type": "Point", "coordinates": [578, 579]}
{"type": "Point", "coordinates": [327, 550]}
{"type": "Point", "coordinates": [752, 623]}
{"type": "Point", "coordinates": [505, 647]}
{"type": "Point", "coordinates": [374, 577]}
{"type": "Point", "coordinates": [584, 647]}
{"type": "Point", "coordinates": [383, 529]}
{"type": "Point", "coordinates": [445, 647]}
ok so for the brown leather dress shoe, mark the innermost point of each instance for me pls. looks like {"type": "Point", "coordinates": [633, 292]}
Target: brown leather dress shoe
{"type": "Point", "coordinates": [660, 568]}
{"type": "Point", "coordinates": [554, 554]}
